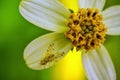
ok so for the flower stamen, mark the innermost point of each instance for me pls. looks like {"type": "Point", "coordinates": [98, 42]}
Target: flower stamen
{"type": "Point", "coordinates": [86, 29]}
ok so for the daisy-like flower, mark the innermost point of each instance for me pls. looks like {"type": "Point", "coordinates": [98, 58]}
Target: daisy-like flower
{"type": "Point", "coordinates": [85, 29]}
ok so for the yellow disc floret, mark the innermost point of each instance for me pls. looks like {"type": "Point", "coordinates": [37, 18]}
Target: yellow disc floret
{"type": "Point", "coordinates": [86, 29]}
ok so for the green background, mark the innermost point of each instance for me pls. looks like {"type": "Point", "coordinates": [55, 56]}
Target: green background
{"type": "Point", "coordinates": [16, 33]}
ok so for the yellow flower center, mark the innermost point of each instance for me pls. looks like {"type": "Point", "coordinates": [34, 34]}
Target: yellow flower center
{"type": "Point", "coordinates": [86, 29]}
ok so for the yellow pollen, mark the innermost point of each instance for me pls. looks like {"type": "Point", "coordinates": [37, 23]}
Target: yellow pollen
{"type": "Point", "coordinates": [86, 29]}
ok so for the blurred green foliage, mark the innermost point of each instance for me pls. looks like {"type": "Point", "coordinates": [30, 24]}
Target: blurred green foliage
{"type": "Point", "coordinates": [16, 33]}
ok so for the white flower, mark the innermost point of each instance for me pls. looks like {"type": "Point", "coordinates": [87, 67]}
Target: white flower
{"type": "Point", "coordinates": [84, 30]}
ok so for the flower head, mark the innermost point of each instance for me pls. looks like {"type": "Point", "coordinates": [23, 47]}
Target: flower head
{"type": "Point", "coordinates": [84, 29]}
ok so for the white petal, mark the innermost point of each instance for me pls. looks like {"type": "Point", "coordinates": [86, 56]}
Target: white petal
{"type": "Point", "coordinates": [98, 65]}
{"type": "Point", "coordinates": [114, 31]}
{"type": "Point", "coordinates": [44, 51]}
{"type": "Point", "coordinates": [99, 4]}
{"type": "Point", "coordinates": [112, 16]}
{"type": "Point", "coordinates": [47, 14]}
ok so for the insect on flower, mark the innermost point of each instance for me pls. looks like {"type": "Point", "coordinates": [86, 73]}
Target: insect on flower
{"type": "Point", "coordinates": [84, 29]}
